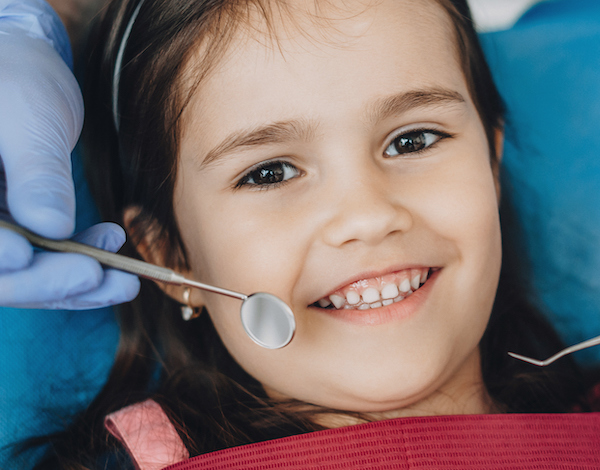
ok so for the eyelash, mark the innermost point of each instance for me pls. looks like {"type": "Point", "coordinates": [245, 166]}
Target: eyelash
{"type": "Point", "coordinates": [412, 134]}
{"type": "Point", "coordinates": [285, 167]}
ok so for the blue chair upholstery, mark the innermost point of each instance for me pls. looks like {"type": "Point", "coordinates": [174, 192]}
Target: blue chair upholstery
{"type": "Point", "coordinates": [548, 69]}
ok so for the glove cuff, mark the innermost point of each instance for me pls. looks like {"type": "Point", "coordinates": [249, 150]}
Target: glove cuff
{"type": "Point", "coordinates": [36, 19]}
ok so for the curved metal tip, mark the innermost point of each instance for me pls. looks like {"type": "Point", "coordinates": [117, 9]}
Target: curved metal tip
{"type": "Point", "coordinates": [571, 349]}
{"type": "Point", "coordinates": [535, 362]}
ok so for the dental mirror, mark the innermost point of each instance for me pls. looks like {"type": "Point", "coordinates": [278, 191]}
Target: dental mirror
{"type": "Point", "coordinates": [266, 319]}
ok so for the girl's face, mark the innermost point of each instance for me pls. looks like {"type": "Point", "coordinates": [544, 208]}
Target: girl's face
{"type": "Point", "coordinates": [337, 166]}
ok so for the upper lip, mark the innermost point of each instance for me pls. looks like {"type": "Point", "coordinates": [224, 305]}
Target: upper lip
{"type": "Point", "coordinates": [373, 274]}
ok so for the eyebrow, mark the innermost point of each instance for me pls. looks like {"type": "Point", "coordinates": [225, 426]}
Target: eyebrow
{"type": "Point", "coordinates": [399, 104]}
{"type": "Point", "coordinates": [278, 132]}
{"type": "Point", "coordinates": [301, 129]}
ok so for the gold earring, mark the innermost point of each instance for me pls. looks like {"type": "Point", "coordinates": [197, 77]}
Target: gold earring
{"type": "Point", "coordinates": [187, 311]}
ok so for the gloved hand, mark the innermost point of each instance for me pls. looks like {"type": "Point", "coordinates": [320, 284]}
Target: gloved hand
{"type": "Point", "coordinates": [41, 115]}
{"type": "Point", "coordinates": [63, 280]}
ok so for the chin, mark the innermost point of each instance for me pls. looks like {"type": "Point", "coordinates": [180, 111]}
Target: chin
{"type": "Point", "coordinates": [374, 396]}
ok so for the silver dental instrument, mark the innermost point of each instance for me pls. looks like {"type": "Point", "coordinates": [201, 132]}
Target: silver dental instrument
{"type": "Point", "coordinates": [267, 320]}
{"type": "Point", "coordinates": [571, 349]}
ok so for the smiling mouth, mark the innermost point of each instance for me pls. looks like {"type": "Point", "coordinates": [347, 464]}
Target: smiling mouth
{"type": "Point", "coordinates": [376, 292]}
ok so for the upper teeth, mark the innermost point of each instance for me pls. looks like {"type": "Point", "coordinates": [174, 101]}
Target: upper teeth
{"type": "Point", "coordinates": [337, 300]}
{"type": "Point", "coordinates": [389, 291]}
{"type": "Point", "coordinates": [405, 285]}
{"type": "Point", "coordinates": [373, 293]}
{"type": "Point", "coordinates": [352, 297]}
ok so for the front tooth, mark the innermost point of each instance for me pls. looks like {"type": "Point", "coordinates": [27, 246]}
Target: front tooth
{"type": "Point", "coordinates": [424, 275]}
{"type": "Point", "coordinates": [388, 302]}
{"type": "Point", "coordinates": [389, 291]}
{"type": "Point", "coordinates": [352, 297]}
{"type": "Point", "coordinates": [416, 281]}
{"type": "Point", "coordinates": [371, 295]}
{"type": "Point", "coordinates": [337, 300]}
{"type": "Point", "coordinates": [376, 305]}
{"type": "Point", "coordinates": [324, 303]}
{"type": "Point", "coordinates": [364, 307]}
{"type": "Point", "coordinates": [405, 286]}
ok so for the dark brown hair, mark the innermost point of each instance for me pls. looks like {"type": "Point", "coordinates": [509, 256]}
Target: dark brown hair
{"type": "Point", "coordinates": [184, 366]}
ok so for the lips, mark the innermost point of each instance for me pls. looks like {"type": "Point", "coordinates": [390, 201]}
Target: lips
{"type": "Point", "coordinates": [377, 292]}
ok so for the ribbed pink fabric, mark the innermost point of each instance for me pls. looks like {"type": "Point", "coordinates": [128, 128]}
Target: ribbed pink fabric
{"type": "Point", "coordinates": [489, 442]}
{"type": "Point", "coordinates": [148, 435]}
{"type": "Point", "coordinates": [482, 442]}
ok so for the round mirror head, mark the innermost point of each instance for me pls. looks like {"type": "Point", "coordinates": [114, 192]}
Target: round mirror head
{"type": "Point", "coordinates": [268, 320]}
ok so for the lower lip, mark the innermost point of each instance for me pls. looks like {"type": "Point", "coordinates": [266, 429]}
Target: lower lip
{"type": "Point", "coordinates": [397, 311]}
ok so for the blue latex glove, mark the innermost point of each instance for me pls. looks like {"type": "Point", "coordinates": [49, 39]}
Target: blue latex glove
{"type": "Point", "coordinates": [63, 280]}
{"type": "Point", "coordinates": [41, 115]}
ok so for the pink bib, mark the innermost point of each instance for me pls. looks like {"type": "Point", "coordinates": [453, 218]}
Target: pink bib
{"type": "Point", "coordinates": [489, 442]}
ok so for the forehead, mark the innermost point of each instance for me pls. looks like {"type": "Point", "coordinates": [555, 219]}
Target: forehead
{"type": "Point", "coordinates": [283, 52]}
{"type": "Point", "coordinates": [333, 22]}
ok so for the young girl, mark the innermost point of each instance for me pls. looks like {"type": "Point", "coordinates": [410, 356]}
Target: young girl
{"type": "Point", "coordinates": [342, 155]}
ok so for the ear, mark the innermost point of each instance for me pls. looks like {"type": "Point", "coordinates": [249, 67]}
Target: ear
{"type": "Point", "coordinates": [150, 248]}
{"type": "Point", "coordinates": [499, 147]}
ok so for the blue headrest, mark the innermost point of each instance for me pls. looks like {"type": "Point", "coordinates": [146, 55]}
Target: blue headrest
{"type": "Point", "coordinates": [547, 68]}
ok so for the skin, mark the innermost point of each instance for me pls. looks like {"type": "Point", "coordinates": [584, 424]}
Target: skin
{"type": "Point", "coordinates": [350, 211]}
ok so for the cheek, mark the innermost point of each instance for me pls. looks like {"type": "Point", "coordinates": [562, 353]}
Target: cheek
{"type": "Point", "coordinates": [470, 219]}
{"type": "Point", "coordinates": [230, 247]}
{"type": "Point", "coordinates": [461, 212]}
{"type": "Point", "coordinates": [465, 209]}
{"type": "Point", "coordinates": [469, 211]}
{"type": "Point", "coordinates": [250, 243]}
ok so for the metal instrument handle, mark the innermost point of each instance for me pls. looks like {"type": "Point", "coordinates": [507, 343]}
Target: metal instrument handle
{"type": "Point", "coordinates": [120, 262]}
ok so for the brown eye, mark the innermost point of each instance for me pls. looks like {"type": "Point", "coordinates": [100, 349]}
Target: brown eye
{"type": "Point", "coordinates": [412, 142]}
{"type": "Point", "coordinates": [270, 174]}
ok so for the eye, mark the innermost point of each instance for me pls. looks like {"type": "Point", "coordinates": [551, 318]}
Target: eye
{"type": "Point", "coordinates": [413, 142]}
{"type": "Point", "coordinates": [269, 175]}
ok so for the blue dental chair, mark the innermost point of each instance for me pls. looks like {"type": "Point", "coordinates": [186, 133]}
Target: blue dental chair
{"type": "Point", "coordinates": [547, 68]}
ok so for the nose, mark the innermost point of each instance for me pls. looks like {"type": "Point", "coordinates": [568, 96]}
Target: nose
{"type": "Point", "coordinates": [366, 207]}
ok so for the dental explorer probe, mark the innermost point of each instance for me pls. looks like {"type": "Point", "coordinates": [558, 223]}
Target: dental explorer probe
{"type": "Point", "coordinates": [571, 349]}
{"type": "Point", "coordinates": [267, 320]}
